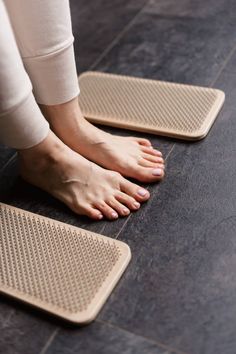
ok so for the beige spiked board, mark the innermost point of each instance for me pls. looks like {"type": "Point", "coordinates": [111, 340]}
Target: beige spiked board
{"type": "Point", "coordinates": [61, 269]}
{"type": "Point", "coordinates": [163, 108]}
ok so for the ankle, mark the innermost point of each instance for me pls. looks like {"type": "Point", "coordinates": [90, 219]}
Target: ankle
{"type": "Point", "coordinates": [42, 154]}
{"type": "Point", "coordinates": [67, 122]}
{"type": "Point", "coordinates": [67, 110]}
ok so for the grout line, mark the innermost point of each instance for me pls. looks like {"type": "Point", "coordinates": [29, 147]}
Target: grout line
{"type": "Point", "coordinates": [164, 346]}
{"type": "Point", "coordinates": [103, 228]}
{"type": "Point", "coordinates": [231, 53]}
{"type": "Point", "coordinates": [11, 159]}
{"type": "Point", "coordinates": [124, 225]}
{"type": "Point", "coordinates": [167, 156]}
{"type": "Point", "coordinates": [7, 319]}
{"type": "Point", "coordinates": [49, 342]}
{"type": "Point", "coordinates": [117, 38]}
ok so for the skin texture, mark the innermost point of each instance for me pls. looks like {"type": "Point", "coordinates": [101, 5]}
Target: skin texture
{"type": "Point", "coordinates": [130, 156]}
{"type": "Point", "coordinates": [82, 185]}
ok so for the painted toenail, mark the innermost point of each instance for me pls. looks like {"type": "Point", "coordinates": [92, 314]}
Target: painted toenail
{"type": "Point", "coordinates": [157, 172]}
{"type": "Point", "coordinates": [136, 205]}
{"type": "Point", "coordinates": [114, 215]}
{"type": "Point", "coordinates": [142, 192]}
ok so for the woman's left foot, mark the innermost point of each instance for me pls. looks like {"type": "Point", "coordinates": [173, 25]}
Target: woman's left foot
{"type": "Point", "coordinates": [130, 156]}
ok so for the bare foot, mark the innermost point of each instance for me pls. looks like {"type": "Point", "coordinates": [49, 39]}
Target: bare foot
{"type": "Point", "coordinates": [132, 157]}
{"type": "Point", "coordinates": [86, 188]}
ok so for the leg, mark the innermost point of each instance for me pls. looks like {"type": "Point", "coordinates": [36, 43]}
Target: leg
{"type": "Point", "coordinates": [45, 160]}
{"type": "Point", "coordinates": [44, 36]}
{"type": "Point", "coordinates": [49, 60]}
{"type": "Point", "coordinates": [22, 125]}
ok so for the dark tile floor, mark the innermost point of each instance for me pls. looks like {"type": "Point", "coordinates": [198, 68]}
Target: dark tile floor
{"type": "Point", "coordinates": [179, 292]}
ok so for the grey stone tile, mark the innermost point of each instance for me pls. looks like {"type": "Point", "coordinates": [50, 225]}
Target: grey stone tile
{"type": "Point", "coordinates": [226, 83]}
{"type": "Point", "coordinates": [195, 9]}
{"type": "Point", "coordinates": [231, 65]}
{"type": "Point", "coordinates": [97, 23]}
{"type": "Point", "coordinates": [5, 154]}
{"type": "Point", "coordinates": [181, 282]}
{"type": "Point", "coordinates": [22, 332]}
{"type": "Point", "coordinates": [99, 338]}
{"type": "Point", "coordinates": [185, 42]}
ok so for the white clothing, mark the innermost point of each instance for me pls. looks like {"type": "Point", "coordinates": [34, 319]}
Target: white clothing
{"type": "Point", "coordinates": [36, 52]}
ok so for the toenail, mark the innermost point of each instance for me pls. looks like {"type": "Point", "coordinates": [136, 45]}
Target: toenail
{"type": "Point", "coordinates": [125, 211]}
{"type": "Point", "coordinates": [142, 192]}
{"type": "Point", "coordinates": [136, 205]}
{"type": "Point", "coordinates": [100, 216]}
{"type": "Point", "coordinates": [157, 172]}
{"type": "Point", "coordinates": [114, 215]}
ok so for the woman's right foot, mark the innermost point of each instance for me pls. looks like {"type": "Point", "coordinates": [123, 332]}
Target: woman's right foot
{"type": "Point", "coordinates": [83, 186]}
{"type": "Point", "coordinates": [130, 156]}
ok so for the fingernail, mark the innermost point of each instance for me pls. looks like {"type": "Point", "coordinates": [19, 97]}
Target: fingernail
{"type": "Point", "coordinates": [100, 216]}
{"type": "Point", "coordinates": [126, 211]}
{"type": "Point", "coordinates": [114, 215]}
{"type": "Point", "coordinates": [136, 205]}
{"type": "Point", "coordinates": [142, 192]}
{"type": "Point", "coordinates": [157, 172]}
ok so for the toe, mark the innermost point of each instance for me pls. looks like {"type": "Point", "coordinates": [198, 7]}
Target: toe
{"type": "Point", "coordinates": [142, 141]}
{"type": "Point", "coordinates": [127, 200]}
{"type": "Point", "coordinates": [119, 207]}
{"type": "Point", "coordinates": [152, 158]}
{"type": "Point", "coordinates": [94, 213]}
{"type": "Point", "coordinates": [138, 193]}
{"type": "Point", "coordinates": [87, 210]}
{"type": "Point", "coordinates": [152, 174]}
{"type": "Point", "coordinates": [145, 163]}
{"type": "Point", "coordinates": [147, 174]}
{"type": "Point", "coordinates": [151, 151]}
{"type": "Point", "coordinates": [106, 210]}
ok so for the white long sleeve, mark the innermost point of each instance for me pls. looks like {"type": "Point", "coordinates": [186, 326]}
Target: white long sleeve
{"type": "Point", "coordinates": [21, 123]}
{"type": "Point", "coordinates": [36, 51]}
{"type": "Point", "coordinates": [44, 36]}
